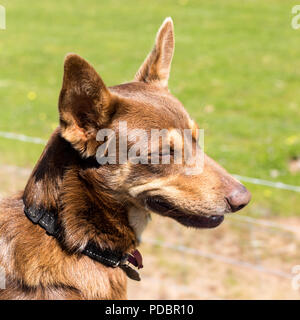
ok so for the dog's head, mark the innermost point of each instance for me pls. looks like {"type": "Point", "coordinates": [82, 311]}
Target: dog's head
{"type": "Point", "coordinates": [196, 194]}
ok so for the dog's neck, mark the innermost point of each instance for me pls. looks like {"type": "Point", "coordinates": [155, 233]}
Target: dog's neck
{"type": "Point", "coordinates": [64, 183]}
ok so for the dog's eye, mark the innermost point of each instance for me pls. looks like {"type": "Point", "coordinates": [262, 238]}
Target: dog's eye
{"type": "Point", "coordinates": [162, 153]}
{"type": "Point", "coordinates": [167, 153]}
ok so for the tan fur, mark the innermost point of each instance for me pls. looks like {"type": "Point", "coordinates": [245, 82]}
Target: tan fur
{"type": "Point", "coordinates": [156, 68]}
{"type": "Point", "coordinates": [138, 220]}
{"type": "Point", "coordinates": [106, 204]}
{"type": "Point", "coordinates": [38, 268]}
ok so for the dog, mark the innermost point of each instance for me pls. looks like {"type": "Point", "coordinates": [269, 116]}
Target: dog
{"type": "Point", "coordinates": [74, 230]}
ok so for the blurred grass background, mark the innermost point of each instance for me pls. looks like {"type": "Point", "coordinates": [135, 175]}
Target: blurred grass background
{"type": "Point", "coordinates": [236, 69]}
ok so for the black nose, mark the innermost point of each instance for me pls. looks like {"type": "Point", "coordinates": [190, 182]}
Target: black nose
{"type": "Point", "coordinates": [238, 198]}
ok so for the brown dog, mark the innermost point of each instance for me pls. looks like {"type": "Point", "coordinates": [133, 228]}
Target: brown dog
{"type": "Point", "coordinates": [94, 213]}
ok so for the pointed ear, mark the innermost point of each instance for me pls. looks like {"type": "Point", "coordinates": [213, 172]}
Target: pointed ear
{"type": "Point", "coordinates": [85, 104]}
{"type": "Point", "coordinates": [156, 67]}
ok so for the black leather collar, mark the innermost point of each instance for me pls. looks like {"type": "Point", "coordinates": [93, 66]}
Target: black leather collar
{"type": "Point", "coordinates": [48, 221]}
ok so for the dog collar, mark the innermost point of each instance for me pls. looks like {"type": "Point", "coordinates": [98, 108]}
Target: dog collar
{"type": "Point", "coordinates": [48, 221]}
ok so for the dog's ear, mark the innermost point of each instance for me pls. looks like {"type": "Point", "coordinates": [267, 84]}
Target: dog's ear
{"type": "Point", "coordinates": [85, 104]}
{"type": "Point", "coordinates": [156, 67]}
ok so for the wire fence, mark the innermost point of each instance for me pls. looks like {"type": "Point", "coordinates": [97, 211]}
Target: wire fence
{"type": "Point", "coordinates": [277, 185]}
{"type": "Point", "coordinates": [219, 258]}
{"type": "Point", "coordinates": [192, 251]}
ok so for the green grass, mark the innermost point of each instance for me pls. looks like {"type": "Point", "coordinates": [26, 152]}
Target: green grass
{"type": "Point", "coordinates": [241, 57]}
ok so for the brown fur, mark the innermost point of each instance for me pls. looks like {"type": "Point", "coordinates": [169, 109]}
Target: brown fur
{"type": "Point", "coordinates": [102, 203]}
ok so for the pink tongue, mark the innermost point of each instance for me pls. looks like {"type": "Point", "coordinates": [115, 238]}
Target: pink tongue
{"type": "Point", "coordinates": [136, 259]}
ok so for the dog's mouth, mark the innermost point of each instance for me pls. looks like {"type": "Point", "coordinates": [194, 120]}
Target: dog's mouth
{"type": "Point", "coordinates": [165, 208]}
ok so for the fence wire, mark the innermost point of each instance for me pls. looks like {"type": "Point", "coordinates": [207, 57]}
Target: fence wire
{"type": "Point", "coordinates": [193, 251]}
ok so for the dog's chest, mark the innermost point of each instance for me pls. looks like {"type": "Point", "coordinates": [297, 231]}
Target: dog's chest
{"type": "Point", "coordinates": [138, 220]}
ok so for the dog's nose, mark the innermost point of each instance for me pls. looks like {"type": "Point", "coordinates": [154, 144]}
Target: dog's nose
{"type": "Point", "coordinates": [238, 198]}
